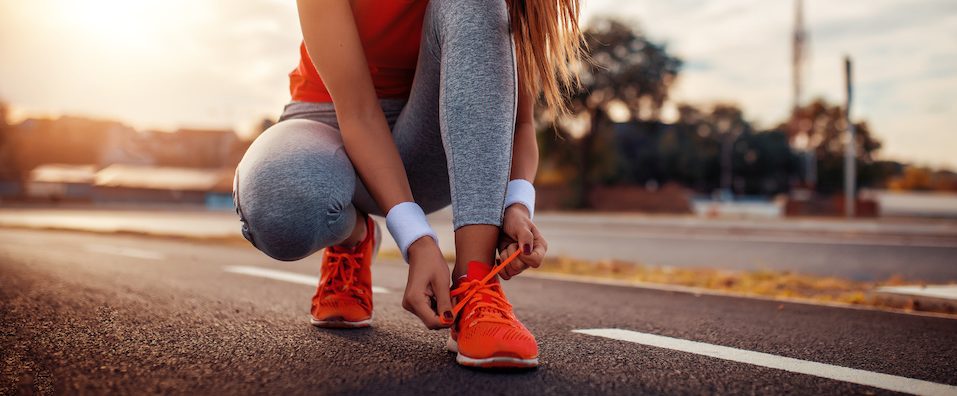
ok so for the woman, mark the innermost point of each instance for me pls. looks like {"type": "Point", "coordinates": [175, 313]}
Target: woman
{"type": "Point", "coordinates": [401, 107]}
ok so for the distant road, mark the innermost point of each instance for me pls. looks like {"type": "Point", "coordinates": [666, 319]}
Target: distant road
{"type": "Point", "coordinates": [84, 313]}
{"type": "Point", "coordinates": [859, 249]}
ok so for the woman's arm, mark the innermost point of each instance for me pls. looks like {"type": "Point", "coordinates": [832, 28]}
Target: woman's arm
{"type": "Point", "coordinates": [519, 230]}
{"type": "Point", "coordinates": [525, 145]}
{"type": "Point", "coordinates": [332, 41]}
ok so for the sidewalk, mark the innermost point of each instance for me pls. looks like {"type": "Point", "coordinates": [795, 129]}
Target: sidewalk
{"type": "Point", "coordinates": [195, 222]}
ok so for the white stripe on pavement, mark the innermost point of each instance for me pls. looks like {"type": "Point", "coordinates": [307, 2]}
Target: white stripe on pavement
{"type": "Point", "coordinates": [862, 377]}
{"type": "Point", "coordinates": [125, 251]}
{"type": "Point", "coordinates": [284, 276]}
{"type": "Point", "coordinates": [945, 292]}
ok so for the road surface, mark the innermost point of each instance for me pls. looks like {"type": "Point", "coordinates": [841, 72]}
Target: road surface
{"type": "Point", "coordinates": [85, 313]}
{"type": "Point", "coordinates": [860, 249]}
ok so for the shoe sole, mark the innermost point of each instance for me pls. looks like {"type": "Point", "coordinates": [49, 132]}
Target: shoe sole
{"type": "Point", "coordinates": [340, 324]}
{"type": "Point", "coordinates": [490, 362]}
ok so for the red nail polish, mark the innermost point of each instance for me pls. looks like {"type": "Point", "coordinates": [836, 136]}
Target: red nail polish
{"type": "Point", "coordinates": [448, 315]}
{"type": "Point", "coordinates": [527, 248]}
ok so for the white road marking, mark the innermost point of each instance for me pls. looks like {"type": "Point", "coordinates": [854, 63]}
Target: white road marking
{"type": "Point", "coordinates": [285, 276]}
{"type": "Point", "coordinates": [946, 292]}
{"type": "Point", "coordinates": [862, 377]}
{"type": "Point", "coordinates": [125, 251]}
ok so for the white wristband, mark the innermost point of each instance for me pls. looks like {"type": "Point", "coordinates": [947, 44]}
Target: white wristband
{"type": "Point", "coordinates": [521, 191]}
{"type": "Point", "coordinates": [406, 222]}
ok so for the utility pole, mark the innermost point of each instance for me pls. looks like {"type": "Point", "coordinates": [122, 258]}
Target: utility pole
{"type": "Point", "coordinates": [850, 147]}
{"type": "Point", "coordinates": [799, 54]}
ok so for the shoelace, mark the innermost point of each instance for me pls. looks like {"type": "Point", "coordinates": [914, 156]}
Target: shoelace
{"type": "Point", "coordinates": [472, 289]}
{"type": "Point", "coordinates": [342, 267]}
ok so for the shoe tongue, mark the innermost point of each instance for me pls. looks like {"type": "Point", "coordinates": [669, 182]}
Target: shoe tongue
{"type": "Point", "coordinates": [477, 270]}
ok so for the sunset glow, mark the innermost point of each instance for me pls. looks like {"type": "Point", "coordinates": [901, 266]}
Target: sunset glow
{"type": "Point", "coordinates": [224, 63]}
{"type": "Point", "coordinates": [115, 23]}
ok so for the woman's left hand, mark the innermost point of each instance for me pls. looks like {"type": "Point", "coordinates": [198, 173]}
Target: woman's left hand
{"type": "Point", "coordinates": [518, 232]}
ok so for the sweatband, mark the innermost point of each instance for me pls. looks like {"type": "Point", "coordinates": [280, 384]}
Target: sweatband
{"type": "Point", "coordinates": [406, 222]}
{"type": "Point", "coordinates": [521, 191]}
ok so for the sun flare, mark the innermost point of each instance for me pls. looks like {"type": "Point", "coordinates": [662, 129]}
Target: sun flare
{"type": "Point", "coordinates": [114, 21]}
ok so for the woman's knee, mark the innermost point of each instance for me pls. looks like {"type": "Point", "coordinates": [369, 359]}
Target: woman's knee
{"type": "Point", "coordinates": [293, 190]}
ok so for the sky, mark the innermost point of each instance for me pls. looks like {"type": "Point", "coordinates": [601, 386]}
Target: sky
{"type": "Point", "coordinates": [224, 63]}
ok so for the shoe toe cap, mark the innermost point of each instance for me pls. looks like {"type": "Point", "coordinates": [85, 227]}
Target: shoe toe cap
{"type": "Point", "coordinates": [498, 341]}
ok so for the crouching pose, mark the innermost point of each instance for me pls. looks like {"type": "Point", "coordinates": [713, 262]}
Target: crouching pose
{"type": "Point", "coordinates": [400, 108]}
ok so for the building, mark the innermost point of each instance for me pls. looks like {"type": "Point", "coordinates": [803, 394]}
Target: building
{"type": "Point", "coordinates": [211, 187]}
{"type": "Point", "coordinates": [60, 182]}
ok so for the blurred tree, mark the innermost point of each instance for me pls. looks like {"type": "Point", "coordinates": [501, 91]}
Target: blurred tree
{"type": "Point", "coordinates": [825, 126]}
{"type": "Point", "coordinates": [7, 169]}
{"type": "Point", "coordinates": [626, 71]}
{"type": "Point", "coordinates": [262, 126]}
{"type": "Point", "coordinates": [725, 151]}
{"type": "Point", "coordinates": [923, 179]}
{"type": "Point", "coordinates": [764, 163]}
{"type": "Point", "coordinates": [705, 150]}
{"type": "Point", "coordinates": [914, 178]}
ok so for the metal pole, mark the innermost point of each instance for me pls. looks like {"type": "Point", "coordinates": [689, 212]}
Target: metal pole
{"type": "Point", "coordinates": [850, 155]}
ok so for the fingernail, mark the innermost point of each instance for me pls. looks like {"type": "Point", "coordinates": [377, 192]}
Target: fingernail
{"type": "Point", "coordinates": [527, 248]}
{"type": "Point", "coordinates": [448, 315]}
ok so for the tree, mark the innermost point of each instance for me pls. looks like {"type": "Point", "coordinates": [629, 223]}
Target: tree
{"type": "Point", "coordinates": [625, 70]}
{"type": "Point", "coordinates": [7, 170]}
{"type": "Point", "coordinates": [724, 150]}
{"type": "Point", "coordinates": [823, 125]}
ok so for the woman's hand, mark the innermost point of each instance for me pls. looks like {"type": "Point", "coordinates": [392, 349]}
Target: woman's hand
{"type": "Point", "coordinates": [518, 232]}
{"type": "Point", "coordinates": [429, 280]}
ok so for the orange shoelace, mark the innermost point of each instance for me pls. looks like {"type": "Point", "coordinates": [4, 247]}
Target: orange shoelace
{"type": "Point", "coordinates": [493, 307]}
{"type": "Point", "coordinates": [341, 275]}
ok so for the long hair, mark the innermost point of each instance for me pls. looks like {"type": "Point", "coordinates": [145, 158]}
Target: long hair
{"type": "Point", "coordinates": [549, 47]}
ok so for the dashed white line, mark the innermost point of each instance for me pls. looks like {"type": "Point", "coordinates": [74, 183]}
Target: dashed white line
{"type": "Point", "coordinates": [125, 251]}
{"type": "Point", "coordinates": [862, 377]}
{"type": "Point", "coordinates": [291, 277]}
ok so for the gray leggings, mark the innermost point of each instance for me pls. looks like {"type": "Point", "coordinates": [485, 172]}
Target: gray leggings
{"type": "Point", "coordinates": [296, 190]}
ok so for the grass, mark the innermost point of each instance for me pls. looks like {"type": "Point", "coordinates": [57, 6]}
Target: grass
{"type": "Point", "coordinates": [766, 283]}
{"type": "Point", "coordinates": [783, 285]}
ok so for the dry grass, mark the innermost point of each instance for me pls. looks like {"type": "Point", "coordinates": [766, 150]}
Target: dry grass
{"type": "Point", "coordinates": [763, 283]}
{"type": "Point", "coordinates": [773, 284]}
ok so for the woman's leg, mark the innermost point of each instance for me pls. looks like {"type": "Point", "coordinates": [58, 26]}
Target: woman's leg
{"type": "Point", "coordinates": [294, 188]}
{"type": "Point", "coordinates": [455, 134]}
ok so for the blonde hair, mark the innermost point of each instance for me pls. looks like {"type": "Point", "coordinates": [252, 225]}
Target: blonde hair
{"type": "Point", "coordinates": [549, 46]}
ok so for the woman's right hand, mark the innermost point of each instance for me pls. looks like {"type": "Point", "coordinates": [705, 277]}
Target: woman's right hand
{"type": "Point", "coordinates": [429, 279]}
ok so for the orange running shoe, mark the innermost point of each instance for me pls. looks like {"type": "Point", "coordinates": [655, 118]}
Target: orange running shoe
{"type": "Point", "coordinates": [486, 333]}
{"type": "Point", "coordinates": [344, 296]}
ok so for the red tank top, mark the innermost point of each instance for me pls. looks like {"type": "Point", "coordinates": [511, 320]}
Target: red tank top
{"type": "Point", "coordinates": [390, 31]}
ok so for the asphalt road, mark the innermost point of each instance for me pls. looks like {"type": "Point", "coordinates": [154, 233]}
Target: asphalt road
{"type": "Point", "coordinates": [866, 249]}
{"type": "Point", "coordinates": [82, 313]}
